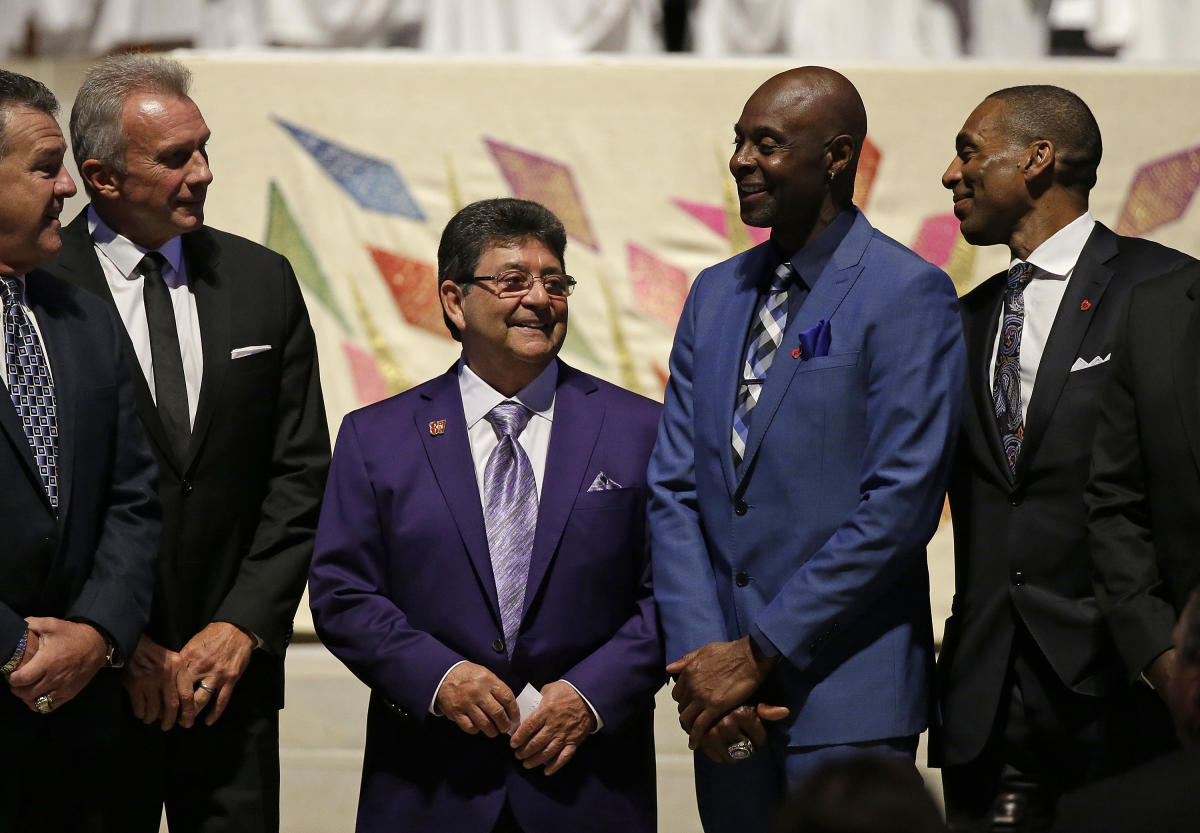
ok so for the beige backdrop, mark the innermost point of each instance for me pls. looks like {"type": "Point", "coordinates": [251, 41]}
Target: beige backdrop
{"type": "Point", "coordinates": [351, 164]}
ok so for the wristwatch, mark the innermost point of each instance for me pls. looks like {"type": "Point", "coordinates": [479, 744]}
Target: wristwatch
{"type": "Point", "coordinates": [17, 655]}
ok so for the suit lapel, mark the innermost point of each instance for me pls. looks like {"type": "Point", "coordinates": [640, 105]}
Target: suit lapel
{"type": "Point", "coordinates": [449, 454]}
{"type": "Point", "coordinates": [212, 310]}
{"type": "Point", "coordinates": [78, 259]}
{"type": "Point", "coordinates": [1185, 362]}
{"type": "Point", "coordinates": [823, 300]}
{"type": "Point", "coordinates": [66, 395]}
{"type": "Point", "coordinates": [1088, 282]}
{"type": "Point", "coordinates": [981, 339]}
{"type": "Point", "coordinates": [729, 350]}
{"type": "Point", "coordinates": [577, 422]}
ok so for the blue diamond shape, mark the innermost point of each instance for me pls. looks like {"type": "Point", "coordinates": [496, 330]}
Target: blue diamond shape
{"type": "Point", "coordinates": [372, 183]}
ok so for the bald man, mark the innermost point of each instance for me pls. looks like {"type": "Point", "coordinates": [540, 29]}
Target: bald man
{"type": "Point", "coordinates": [800, 468]}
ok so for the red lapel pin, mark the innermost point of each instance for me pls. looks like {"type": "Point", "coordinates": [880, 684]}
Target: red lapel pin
{"type": "Point", "coordinates": [1086, 305]}
{"type": "Point", "coordinates": [796, 353]}
{"type": "Point", "coordinates": [437, 427]}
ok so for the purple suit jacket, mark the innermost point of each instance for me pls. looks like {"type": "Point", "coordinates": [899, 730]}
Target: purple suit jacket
{"type": "Point", "coordinates": [401, 588]}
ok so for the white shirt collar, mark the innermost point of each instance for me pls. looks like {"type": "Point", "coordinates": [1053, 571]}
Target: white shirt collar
{"type": "Point", "coordinates": [1058, 254]}
{"type": "Point", "coordinates": [123, 252]}
{"type": "Point", "coordinates": [479, 397]}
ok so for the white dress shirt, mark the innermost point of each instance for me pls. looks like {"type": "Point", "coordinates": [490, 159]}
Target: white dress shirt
{"type": "Point", "coordinates": [32, 320]}
{"type": "Point", "coordinates": [1055, 261]}
{"type": "Point", "coordinates": [478, 398]}
{"type": "Point", "coordinates": [119, 258]}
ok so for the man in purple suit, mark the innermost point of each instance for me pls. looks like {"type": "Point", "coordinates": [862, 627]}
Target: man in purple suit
{"type": "Point", "coordinates": [482, 564]}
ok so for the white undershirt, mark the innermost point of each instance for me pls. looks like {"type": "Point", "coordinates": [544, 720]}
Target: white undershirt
{"type": "Point", "coordinates": [32, 320]}
{"type": "Point", "coordinates": [1055, 261]}
{"type": "Point", "coordinates": [478, 398]}
{"type": "Point", "coordinates": [119, 258]}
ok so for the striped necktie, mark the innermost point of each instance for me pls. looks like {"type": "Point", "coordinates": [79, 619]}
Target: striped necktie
{"type": "Point", "coordinates": [510, 508]}
{"type": "Point", "coordinates": [765, 337]}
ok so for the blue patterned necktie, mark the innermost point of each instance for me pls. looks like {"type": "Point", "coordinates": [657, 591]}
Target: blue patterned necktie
{"type": "Point", "coordinates": [1006, 387]}
{"type": "Point", "coordinates": [30, 385]}
{"type": "Point", "coordinates": [510, 507]}
{"type": "Point", "coordinates": [765, 337]}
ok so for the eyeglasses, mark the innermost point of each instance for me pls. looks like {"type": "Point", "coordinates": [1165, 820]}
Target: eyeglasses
{"type": "Point", "coordinates": [514, 283]}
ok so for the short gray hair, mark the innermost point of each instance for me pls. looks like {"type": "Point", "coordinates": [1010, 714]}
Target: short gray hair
{"type": "Point", "coordinates": [18, 90]}
{"type": "Point", "coordinates": [96, 130]}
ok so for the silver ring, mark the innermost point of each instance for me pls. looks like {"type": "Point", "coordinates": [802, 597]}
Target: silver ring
{"type": "Point", "coordinates": [207, 687]}
{"type": "Point", "coordinates": [741, 750]}
{"type": "Point", "coordinates": [44, 704]}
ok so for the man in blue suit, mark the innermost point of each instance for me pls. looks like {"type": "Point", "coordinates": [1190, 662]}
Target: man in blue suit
{"type": "Point", "coordinates": [800, 468]}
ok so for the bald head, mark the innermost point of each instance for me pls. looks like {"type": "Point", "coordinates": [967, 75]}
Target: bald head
{"type": "Point", "coordinates": [827, 95]}
{"type": "Point", "coordinates": [798, 142]}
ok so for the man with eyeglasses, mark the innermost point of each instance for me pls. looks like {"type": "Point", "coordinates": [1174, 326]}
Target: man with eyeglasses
{"type": "Point", "coordinates": [482, 563]}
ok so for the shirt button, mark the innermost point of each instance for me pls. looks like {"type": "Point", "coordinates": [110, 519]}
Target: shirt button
{"type": "Point", "coordinates": [498, 646]}
{"type": "Point", "coordinates": [739, 507]}
{"type": "Point", "coordinates": [741, 579]}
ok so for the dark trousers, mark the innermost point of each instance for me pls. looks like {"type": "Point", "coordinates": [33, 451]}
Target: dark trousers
{"type": "Point", "coordinates": [59, 770]}
{"type": "Point", "coordinates": [222, 778]}
{"type": "Point", "coordinates": [1048, 740]}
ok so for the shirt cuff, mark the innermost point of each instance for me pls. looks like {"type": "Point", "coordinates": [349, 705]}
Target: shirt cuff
{"type": "Point", "coordinates": [433, 700]}
{"type": "Point", "coordinates": [591, 708]}
{"type": "Point", "coordinates": [766, 646]}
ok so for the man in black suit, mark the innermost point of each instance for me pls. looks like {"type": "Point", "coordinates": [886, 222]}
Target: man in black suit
{"type": "Point", "coordinates": [1160, 796]}
{"type": "Point", "coordinates": [1031, 696]}
{"type": "Point", "coordinates": [231, 399]}
{"type": "Point", "coordinates": [77, 507]}
{"type": "Point", "coordinates": [1144, 509]}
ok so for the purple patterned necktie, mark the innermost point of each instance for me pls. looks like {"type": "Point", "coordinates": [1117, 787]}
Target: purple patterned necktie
{"type": "Point", "coordinates": [30, 386]}
{"type": "Point", "coordinates": [765, 338]}
{"type": "Point", "coordinates": [1006, 388]}
{"type": "Point", "coordinates": [510, 507]}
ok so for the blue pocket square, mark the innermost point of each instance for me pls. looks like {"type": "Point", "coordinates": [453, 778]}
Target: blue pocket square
{"type": "Point", "coordinates": [814, 342]}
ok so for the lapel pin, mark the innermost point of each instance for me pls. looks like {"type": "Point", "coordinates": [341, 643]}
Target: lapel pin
{"type": "Point", "coordinates": [796, 353]}
{"type": "Point", "coordinates": [1086, 305]}
{"type": "Point", "coordinates": [437, 427]}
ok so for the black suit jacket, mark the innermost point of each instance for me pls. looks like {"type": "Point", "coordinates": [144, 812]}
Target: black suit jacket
{"type": "Point", "coordinates": [1159, 797]}
{"type": "Point", "coordinates": [1020, 543]}
{"type": "Point", "coordinates": [1144, 495]}
{"type": "Point", "coordinates": [240, 509]}
{"type": "Point", "coordinates": [94, 561]}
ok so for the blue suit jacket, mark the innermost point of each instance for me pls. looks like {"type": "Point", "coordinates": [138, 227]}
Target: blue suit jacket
{"type": "Point", "coordinates": [402, 588]}
{"type": "Point", "coordinates": [820, 542]}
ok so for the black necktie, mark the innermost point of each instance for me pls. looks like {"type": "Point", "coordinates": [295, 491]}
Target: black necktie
{"type": "Point", "coordinates": [170, 389]}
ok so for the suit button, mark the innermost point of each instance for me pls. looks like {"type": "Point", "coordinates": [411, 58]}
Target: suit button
{"type": "Point", "coordinates": [186, 487]}
{"type": "Point", "coordinates": [48, 547]}
{"type": "Point", "coordinates": [739, 507]}
{"type": "Point", "coordinates": [741, 579]}
{"type": "Point", "coordinates": [1015, 499]}
{"type": "Point", "coordinates": [498, 645]}
{"type": "Point", "coordinates": [1018, 578]}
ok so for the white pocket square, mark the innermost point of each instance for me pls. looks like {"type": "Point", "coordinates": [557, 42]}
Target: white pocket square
{"type": "Point", "coordinates": [603, 483]}
{"type": "Point", "coordinates": [243, 352]}
{"type": "Point", "coordinates": [1082, 364]}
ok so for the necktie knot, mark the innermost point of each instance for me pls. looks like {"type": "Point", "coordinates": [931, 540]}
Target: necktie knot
{"type": "Point", "coordinates": [152, 264]}
{"type": "Point", "coordinates": [1019, 276]}
{"type": "Point", "coordinates": [782, 277]}
{"type": "Point", "coordinates": [509, 419]}
{"type": "Point", "coordinates": [10, 291]}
